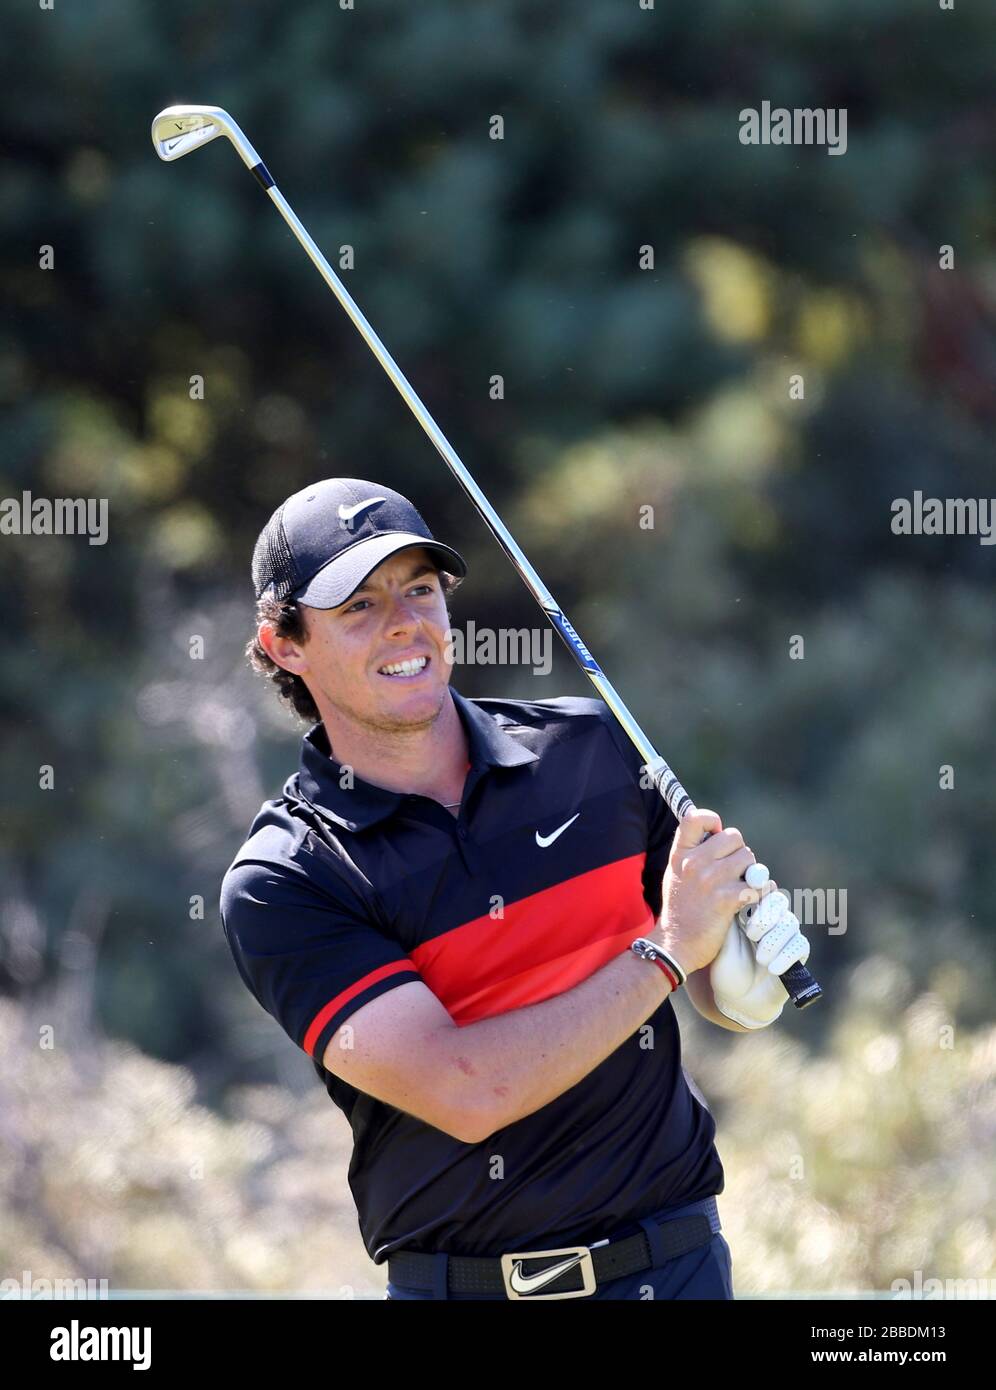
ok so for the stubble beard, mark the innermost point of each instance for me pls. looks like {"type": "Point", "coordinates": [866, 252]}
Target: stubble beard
{"type": "Point", "coordinates": [384, 722]}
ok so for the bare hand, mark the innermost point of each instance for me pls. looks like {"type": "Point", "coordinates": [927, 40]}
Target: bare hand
{"type": "Point", "coordinates": [703, 889]}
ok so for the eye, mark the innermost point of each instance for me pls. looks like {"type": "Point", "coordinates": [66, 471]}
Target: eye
{"type": "Point", "coordinates": [361, 603]}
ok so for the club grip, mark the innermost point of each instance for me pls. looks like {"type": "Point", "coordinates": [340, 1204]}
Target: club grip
{"type": "Point", "coordinates": [799, 984]}
{"type": "Point", "coordinates": [802, 989]}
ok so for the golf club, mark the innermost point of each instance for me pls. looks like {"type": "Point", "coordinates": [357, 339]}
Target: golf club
{"type": "Point", "coordinates": [179, 129]}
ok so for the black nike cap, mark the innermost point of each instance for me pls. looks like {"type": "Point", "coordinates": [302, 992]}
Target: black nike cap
{"type": "Point", "coordinates": [321, 543]}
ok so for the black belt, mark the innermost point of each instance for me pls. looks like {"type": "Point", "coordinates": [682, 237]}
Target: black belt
{"type": "Point", "coordinates": [520, 1274]}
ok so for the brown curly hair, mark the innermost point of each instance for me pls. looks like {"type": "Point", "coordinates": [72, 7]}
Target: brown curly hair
{"type": "Point", "coordinates": [287, 617]}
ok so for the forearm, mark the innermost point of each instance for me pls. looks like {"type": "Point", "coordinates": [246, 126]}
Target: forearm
{"type": "Point", "coordinates": [506, 1067]}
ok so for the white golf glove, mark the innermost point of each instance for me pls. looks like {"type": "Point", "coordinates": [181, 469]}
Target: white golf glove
{"type": "Point", "coordinates": [744, 978]}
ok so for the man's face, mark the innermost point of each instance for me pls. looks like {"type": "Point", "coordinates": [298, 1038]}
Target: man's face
{"type": "Point", "coordinates": [352, 661]}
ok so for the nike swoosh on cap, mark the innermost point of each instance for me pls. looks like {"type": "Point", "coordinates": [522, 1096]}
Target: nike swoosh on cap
{"type": "Point", "coordinates": [545, 840]}
{"type": "Point", "coordinates": [348, 513]}
{"type": "Point", "coordinates": [530, 1283]}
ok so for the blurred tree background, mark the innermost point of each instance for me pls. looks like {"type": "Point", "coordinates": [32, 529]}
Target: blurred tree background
{"type": "Point", "coordinates": [626, 385]}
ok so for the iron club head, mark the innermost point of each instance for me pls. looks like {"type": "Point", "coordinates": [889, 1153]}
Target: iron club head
{"type": "Point", "coordinates": [180, 129]}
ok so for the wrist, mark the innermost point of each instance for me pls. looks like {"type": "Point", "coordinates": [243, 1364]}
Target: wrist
{"type": "Point", "coordinates": [677, 950]}
{"type": "Point", "coordinates": [647, 949]}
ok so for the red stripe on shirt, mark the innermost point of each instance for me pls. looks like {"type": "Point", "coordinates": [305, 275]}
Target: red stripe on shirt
{"type": "Point", "coordinates": [544, 944]}
{"type": "Point", "coordinates": [333, 1006]}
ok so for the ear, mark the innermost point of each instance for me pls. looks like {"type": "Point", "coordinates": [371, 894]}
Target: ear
{"type": "Point", "coordinates": [282, 651]}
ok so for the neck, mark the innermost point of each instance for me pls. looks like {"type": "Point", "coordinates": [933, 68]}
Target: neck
{"type": "Point", "coordinates": [429, 761]}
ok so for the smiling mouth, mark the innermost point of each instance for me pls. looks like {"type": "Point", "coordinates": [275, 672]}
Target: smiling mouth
{"type": "Point", "coordinates": [404, 670]}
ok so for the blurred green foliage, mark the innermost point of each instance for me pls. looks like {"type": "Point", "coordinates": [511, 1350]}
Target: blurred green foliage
{"type": "Point", "coordinates": [846, 1169]}
{"type": "Point", "coordinates": [624, 387]}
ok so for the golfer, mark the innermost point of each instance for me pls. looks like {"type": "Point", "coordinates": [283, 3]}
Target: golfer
{"type": "Point", "coordinates": [471, 915]}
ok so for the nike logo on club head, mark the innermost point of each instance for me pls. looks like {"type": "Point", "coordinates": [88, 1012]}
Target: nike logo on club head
{"type": "Point", "coordinates": [349, 514]}
{"type": "Point", "coordinates": [545, 840]}
{"type": "Point", "coordinates": [531, 1283]}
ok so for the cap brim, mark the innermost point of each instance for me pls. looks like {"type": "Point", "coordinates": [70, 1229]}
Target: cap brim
{"type": "Point", "coordinates": [343, 575]}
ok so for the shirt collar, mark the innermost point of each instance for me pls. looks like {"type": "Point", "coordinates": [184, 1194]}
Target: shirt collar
{"type": "Point", "coordinates": [320, 776]}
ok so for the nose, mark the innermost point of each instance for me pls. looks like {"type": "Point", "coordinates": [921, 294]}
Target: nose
{"type": "Point", "coordinates": [403, 616]}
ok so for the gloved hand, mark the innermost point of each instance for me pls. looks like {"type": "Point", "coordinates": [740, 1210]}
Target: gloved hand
{"type": "Point", "coordinates": [744, 978]}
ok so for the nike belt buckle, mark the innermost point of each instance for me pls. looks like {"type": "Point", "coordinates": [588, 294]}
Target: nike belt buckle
{"type": "Point", "coordinates": [520, 1285]}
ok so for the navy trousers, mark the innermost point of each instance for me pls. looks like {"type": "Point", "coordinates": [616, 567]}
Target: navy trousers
{"type": "Point", "coordinates": [704, 1273]}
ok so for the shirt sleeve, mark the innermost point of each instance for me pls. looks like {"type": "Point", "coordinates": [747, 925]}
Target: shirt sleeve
{"type": "Point", "coordinates": [660, 819]}
{"type": "Point", "coordinates": [311, 955]}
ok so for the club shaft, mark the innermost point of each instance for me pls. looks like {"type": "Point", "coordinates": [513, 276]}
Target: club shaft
{"type": "Point", "coordinates": [800, 984]}
{"type": "Point", "coordinates": [677, 798]}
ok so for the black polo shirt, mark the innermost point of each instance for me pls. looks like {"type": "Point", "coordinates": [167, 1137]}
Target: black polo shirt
{"type": "Point", "coordinates": [342, 892]}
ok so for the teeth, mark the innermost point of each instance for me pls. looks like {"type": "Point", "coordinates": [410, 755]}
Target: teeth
{"type": "Point", "coordinates": [404, 668]}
